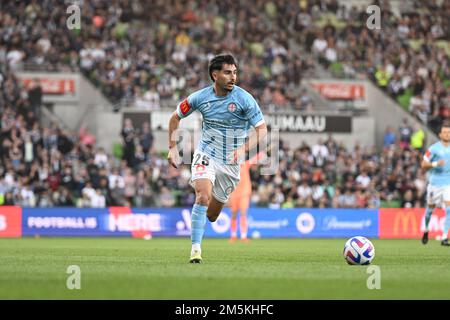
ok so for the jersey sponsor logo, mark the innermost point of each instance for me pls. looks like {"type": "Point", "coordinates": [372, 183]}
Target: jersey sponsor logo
{"type": "Point", "coordinates": [232, 107]}
{"type": "Point", "coordinates": [185, 107]}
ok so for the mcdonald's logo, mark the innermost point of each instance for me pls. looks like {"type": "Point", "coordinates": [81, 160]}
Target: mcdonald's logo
{"type": "Point", "coordinates": [405, 223]}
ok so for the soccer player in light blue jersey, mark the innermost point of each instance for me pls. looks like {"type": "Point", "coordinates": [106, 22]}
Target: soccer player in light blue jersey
{"type": "Point", "coordinates": [228, 113]}
{"type": "Point", "coordinates": [437, 161]}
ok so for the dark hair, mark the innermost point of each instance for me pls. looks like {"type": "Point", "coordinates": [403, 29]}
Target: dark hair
{"type": "Point", "coordinates": [218, 61]}
{"type": "Point", "coordinates": [444, 124]}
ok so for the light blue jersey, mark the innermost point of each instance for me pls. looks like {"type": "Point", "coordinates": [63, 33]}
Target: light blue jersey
{"type": "Point", "coordinates": [439, 176]}
{"type": "Point", "coordinates": [226, 120]}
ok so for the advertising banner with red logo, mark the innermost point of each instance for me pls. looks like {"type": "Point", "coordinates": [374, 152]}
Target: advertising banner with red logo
{"type": "Point", "coordinates": [404, 223]}
{"type": "Point", "coordinates": [147, 222]}
{"type": "Point", "coordinates": [341, 91]}
{"type": "Point", "coordinates": [57, 86]}
{"type": "Point", "coordinates": [10, 222]}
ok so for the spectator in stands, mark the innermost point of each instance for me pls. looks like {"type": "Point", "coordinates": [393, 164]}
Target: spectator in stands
{"type": "Point", "coordinates": [389, 137]}
{"type": "Point", "coordinates": [166, 198]}
{"type": "Point", "coordinates": [146, 138]}
{"type": "Point", "coordinates": [65, 198]}
{"type": "Point", "coordinates": [98, 200]}
{"type": "Point", "coordinates": [116, 180]}
{"type": "Point", "coordinates": [130, 185]}
{"type": "Point", "coordinates": [363, 180]}
{"type": "Point", "coordinates": [405, 132]}
{"type": "Point", "coordinates": [170, 58]}
{"type": "Point", "coordinates": [160, 64]}
{"type": "Point", "coordinates": [35, 97]}
{"type": "Point", "coordinates": [304, 190]}
{"type": "Point", "coordinates": [88, 193]}
{"type": "Point", "coordinates": [320, 153]}
{"type": "Point", "coordinates": [101, 158]}
{"type": "Point", "coordinates": [128, 135]}
{"type": "Point", "coordinates": [418, 138]}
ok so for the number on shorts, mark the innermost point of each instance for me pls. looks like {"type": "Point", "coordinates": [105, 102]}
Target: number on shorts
{"type": "Point", "coordinates": [205, 160]}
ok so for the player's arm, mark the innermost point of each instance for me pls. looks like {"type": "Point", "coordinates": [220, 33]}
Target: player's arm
{"type": "Point", "coordinates": [184, 109]}
{"type": "Point", "coordinates": [427, 162]}
{"type": "Point", "coordinates": [173, 156]}
{"type": "Point", "coordinates": [258, 137]}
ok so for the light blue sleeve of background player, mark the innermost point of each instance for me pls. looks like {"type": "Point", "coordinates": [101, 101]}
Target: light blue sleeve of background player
{"type": "Point", "coordinates": [439, 176]}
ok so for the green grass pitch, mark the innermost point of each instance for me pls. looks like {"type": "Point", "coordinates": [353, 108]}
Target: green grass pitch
{"type": "Point", "coordinates": [123, 268]}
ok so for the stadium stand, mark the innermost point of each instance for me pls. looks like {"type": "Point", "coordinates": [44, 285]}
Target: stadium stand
{"type": "Point", "coordinates": [153, 53]}
{"type": "Point", "coordinates": [46, 167]}
{"type": "Point", "coordinates": [409, 58]}
{"type": "Point", "coordinates": [159, 49]}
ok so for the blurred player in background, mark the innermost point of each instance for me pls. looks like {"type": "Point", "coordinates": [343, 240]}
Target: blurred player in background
{"type": "Point", "coordinates": [437, 161]}
{"type": "Point", "coordinates": [240, 201]}
{"type": "Point", "coordinates": [228, 112]}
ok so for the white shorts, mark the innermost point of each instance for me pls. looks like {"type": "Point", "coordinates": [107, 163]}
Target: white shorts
{"type": "Point", "coordinates": [438, 195]}
{"type": "Point", "coordinates": [224, 178]}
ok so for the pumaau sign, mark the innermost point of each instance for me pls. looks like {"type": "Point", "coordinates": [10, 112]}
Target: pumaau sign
{"type": "Point", "coordinates": [309, 123]}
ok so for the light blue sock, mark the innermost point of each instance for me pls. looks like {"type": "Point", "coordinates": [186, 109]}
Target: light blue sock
{"type": "Point", "coordinates": [198, 220]}
{"type": "Point", "coordinates": [446, 223]}
{"type": "Point", "coordinates": [428, 212]}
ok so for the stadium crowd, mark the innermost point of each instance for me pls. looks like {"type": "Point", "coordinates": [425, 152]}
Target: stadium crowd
{"type": "Point", "coordinates": [49, 166]}
{"type": "Point", "coordinates": [409, 57]}
{"type": "Point", "coordinates": [150, 51]}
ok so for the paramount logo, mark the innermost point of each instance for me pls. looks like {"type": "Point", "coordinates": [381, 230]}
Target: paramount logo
{"type": "Point", "coordinates": [261, 224]}
{"type": "Point", "coordinates": [134, 222]}
{"type": "Point", "coordinates": [332, 223]}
